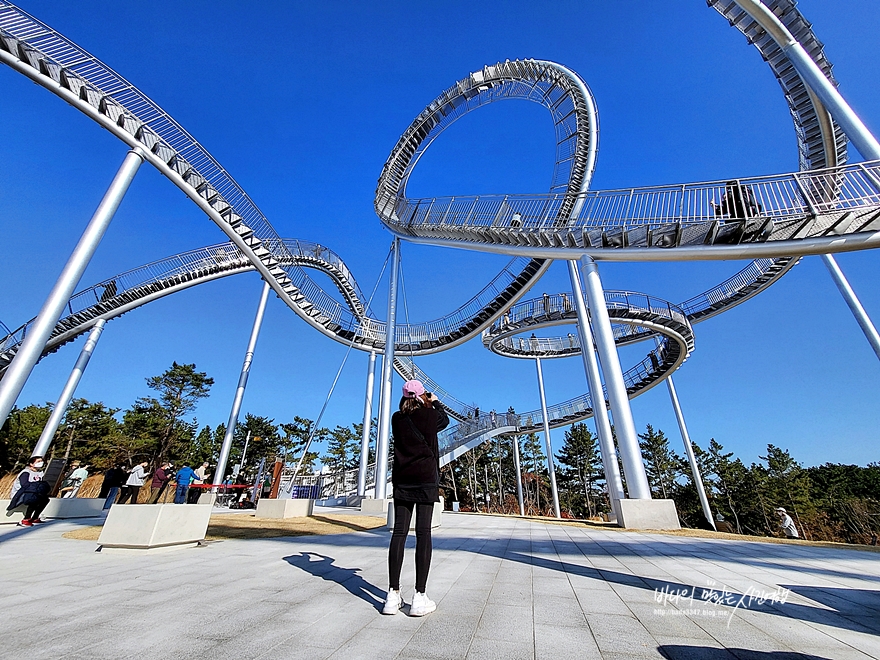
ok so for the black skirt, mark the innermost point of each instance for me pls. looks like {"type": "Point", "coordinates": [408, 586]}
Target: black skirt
{"type": "Point", "coordinates": [417, 493]}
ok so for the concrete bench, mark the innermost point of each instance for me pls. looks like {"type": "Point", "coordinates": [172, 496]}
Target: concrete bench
{"type": "Point", "coordinates": [436, 518]}
{"type": "Point", "coordinates": [150, 526]}
{"type": "Point", "coordinates": [370, 505]}
{"type": "Point", "coordinates": [72, 507]}
{"type": "Point", "coordinates": [286, 508]}
{"type": "Point", "coordinates": [647, 514]}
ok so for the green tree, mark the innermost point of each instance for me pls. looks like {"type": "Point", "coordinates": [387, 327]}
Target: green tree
{"type": "Point", "coordinates": [296, 436]}
{"type": "Point", "coordinates": [162, 426]}
{"type": "Point", "coordinates": [662, 465]}
{"type": "Point", "coordinates": [95, 430]}
{"type": "Point", "coordinates": [581, 471]}
{"type": "Point", "coordinates": [342, 449]}
{"type": "Point", "coordinates": [787, 484]}
{"type": "Point", "coordinates": [19, 435]}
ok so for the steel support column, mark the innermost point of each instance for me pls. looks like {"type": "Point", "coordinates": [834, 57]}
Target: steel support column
{"type": "Point", "coordinates": [689, 450]}
{"type": "Point", "coordinates": [368, 423]}
{"type": "Point", "coordinates": [69, 388]}
{"type": "Point", "coordinates": [627, 440]}
{"type": "Point", "coordinates": [815, 79]}
{"type": "Point", "coordinates": [519, 488]}
{"type": "Point", "coordinates": [220, 472]}
{"type": "Point", "coordinates": [597, 395]}
{"type": "Point", "coordinates": [852, 301]}
{"type": "Point", "coordinates": [550, 467]}
{"type": "Point", "coordinates": [385, 396]}
{"type": "Point", "coordinates": [38, 334]}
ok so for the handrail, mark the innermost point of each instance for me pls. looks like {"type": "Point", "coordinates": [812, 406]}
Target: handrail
{"type": "Point", "coordinates": [782, 197]}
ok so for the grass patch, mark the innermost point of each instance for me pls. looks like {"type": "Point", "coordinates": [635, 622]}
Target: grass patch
{"type": "Point", "coordinates": [240, 526]}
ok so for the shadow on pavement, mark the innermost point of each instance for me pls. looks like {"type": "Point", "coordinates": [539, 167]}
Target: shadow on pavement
{"type": "Point", "coordinates": [9, 531]}
{"type": "Point", "coordinates": [346, 577]}
{"type": "Point", "coordinates": [839, 617]}
{"type": "Point", "coordinates": [683, 652]}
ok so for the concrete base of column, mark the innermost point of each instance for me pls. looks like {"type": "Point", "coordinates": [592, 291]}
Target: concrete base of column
{"type": "Point", "coordinates": [647, 514]}
{"type": "Point", "coordinates": [436, 517]}
{"type": "Point", "coordinates": [150, 526]}
{"type": "Point", "coordinates": [286, 508]}
{"type": "Point", "coordinates": [376, 507]}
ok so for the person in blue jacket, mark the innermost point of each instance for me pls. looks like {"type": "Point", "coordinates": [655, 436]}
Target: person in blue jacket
{"type": "Point", "coordinates": [185, 477]}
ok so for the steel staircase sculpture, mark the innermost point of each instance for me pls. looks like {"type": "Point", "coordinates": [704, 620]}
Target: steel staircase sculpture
{"type": "Point", "coordinates": [56, 63]}
{"type": "Point", "coordinates": [828, 206]}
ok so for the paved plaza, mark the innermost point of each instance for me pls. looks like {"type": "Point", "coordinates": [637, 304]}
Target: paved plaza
{"type": "Point", "coordinates": [506, 588]}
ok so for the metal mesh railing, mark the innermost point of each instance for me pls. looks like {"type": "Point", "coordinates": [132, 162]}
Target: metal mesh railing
{"type": "Point", "coordinates": [525, 314]}
{"type": "Point", "coordinates": [54, 48]}
{"type": "Point", "coordinates": [777, 197]}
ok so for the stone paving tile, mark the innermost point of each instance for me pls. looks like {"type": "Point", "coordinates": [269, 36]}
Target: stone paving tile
{"type": "Point", "coordinates": [505, 588]}
{"type": "Point", "coordinates": [493, 649]}
{"type": "Point", "coordinates": [507, 622]}
{"type": "Point", "coordinates": [557, 642]}
{"type": "Point", "coordinates": [620, 634]}
{"type": "Point", "coordinates": [441, 637]}
{"type": "Point", "coordinates": [367, 645]}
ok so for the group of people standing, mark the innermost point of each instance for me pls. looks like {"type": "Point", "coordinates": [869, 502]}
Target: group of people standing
{"type": "Point", "coordinates": [31, 493]}
{"type": "Point", "coordinates": [128, 483]}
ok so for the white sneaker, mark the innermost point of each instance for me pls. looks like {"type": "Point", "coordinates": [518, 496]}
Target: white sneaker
{"type": "Point", "coordinates": [393, 602]}
{"type": "Point", "coordinates": [421, 605]}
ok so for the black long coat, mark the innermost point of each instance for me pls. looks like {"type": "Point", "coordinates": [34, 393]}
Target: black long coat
{"type": "Point", "coordinates": [417, 460]}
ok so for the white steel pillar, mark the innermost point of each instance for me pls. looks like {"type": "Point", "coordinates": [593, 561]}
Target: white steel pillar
{"type": "Point", "coordinates": [827, 95]}
{"type": "Point", "coordinates": [225, 448]}
{"type": "Point", "coordinates": [69, 388]}
{"type": "Point", "coordinates": [597, 395]}
{"type": "Point", "coordinates": [852, 301]}
{"type": "Point", "coordinates": [368, 423]}
{"type": "Point", "coordinates": [627, 439]}
{"type": "Point", "coordinates": [38, 334]}
{"type": "Point", "coordinates": [815, 79]}
{"type": "Point", "coordinates": [550, 467]}
{"type": "Point", "coordinates": [519, 488]}
{"type": "Point", "coordinates": [689, 450]}
{"type": "Point", "coordinates": [385, 397]}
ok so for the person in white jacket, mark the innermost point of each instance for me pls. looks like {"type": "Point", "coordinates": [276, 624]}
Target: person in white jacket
{"type": "Point", "coordinates": [133, 485]}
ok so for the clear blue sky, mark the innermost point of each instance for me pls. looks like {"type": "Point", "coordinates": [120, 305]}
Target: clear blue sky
{"type": "Point", "coordinates": [303, 101]}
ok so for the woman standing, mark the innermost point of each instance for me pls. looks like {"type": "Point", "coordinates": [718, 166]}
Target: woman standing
{"type": "Point", "coordinates": [31, 491]}
{"type": "Point", "coordinates": [133, 484]}
{"type": "Point", "coordinates": [416, 480]}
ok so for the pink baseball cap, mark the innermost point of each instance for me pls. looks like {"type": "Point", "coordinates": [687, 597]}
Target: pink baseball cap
{"type": "Point", "coordinates": [412, 389]}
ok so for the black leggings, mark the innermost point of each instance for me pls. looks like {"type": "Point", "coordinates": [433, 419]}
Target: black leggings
{"type": "Point", "coordinates": [402, 516]}
{"type": "Point", "coordinates": [129, 492]}
{"type": "Point", "coordinates": [34, 510]}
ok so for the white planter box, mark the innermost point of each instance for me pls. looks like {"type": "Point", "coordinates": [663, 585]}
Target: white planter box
{"type": "Point", "coordinates": [436, 518]}
{"type": "Point", "coordinates": [73, 507]}
{"type": "Point", "coordinates": [286, 508]}
{"type": "Point", "coordinates": [147, 526]}
{"type": "Point", "coordinates": [377, 507]}
{"type": "Point", "coordinates": [647, 514]}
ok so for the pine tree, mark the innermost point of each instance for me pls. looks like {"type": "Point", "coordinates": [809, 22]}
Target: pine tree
{"type": "Point", "coordinates": [662, 464]}
{"type": "Point", "coordinates": [581, 471]}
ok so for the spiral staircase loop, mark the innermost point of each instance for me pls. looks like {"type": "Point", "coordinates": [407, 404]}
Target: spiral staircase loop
{"type": "Point", "coordinates": [827, 206]}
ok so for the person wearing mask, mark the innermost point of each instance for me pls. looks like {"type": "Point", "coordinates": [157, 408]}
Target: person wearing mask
{"type": "Point", "coordinates": [77, 477]}
{"type": "Point", "coordinates": [114, 479]}
{"type": "Point", "coordinates": [134, 482]}
{"type": "Point", "coordinates": [416, 480]}
{"type": "Point", "coordinates": [29, 490]}
{"type": "Point", "coordinates": [185, 477]}
{"type": "Point", "coordinates": [161, 477]}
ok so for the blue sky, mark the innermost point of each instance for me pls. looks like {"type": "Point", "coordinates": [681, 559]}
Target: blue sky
{"type": "Point", "coordinates": [302, 102]}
